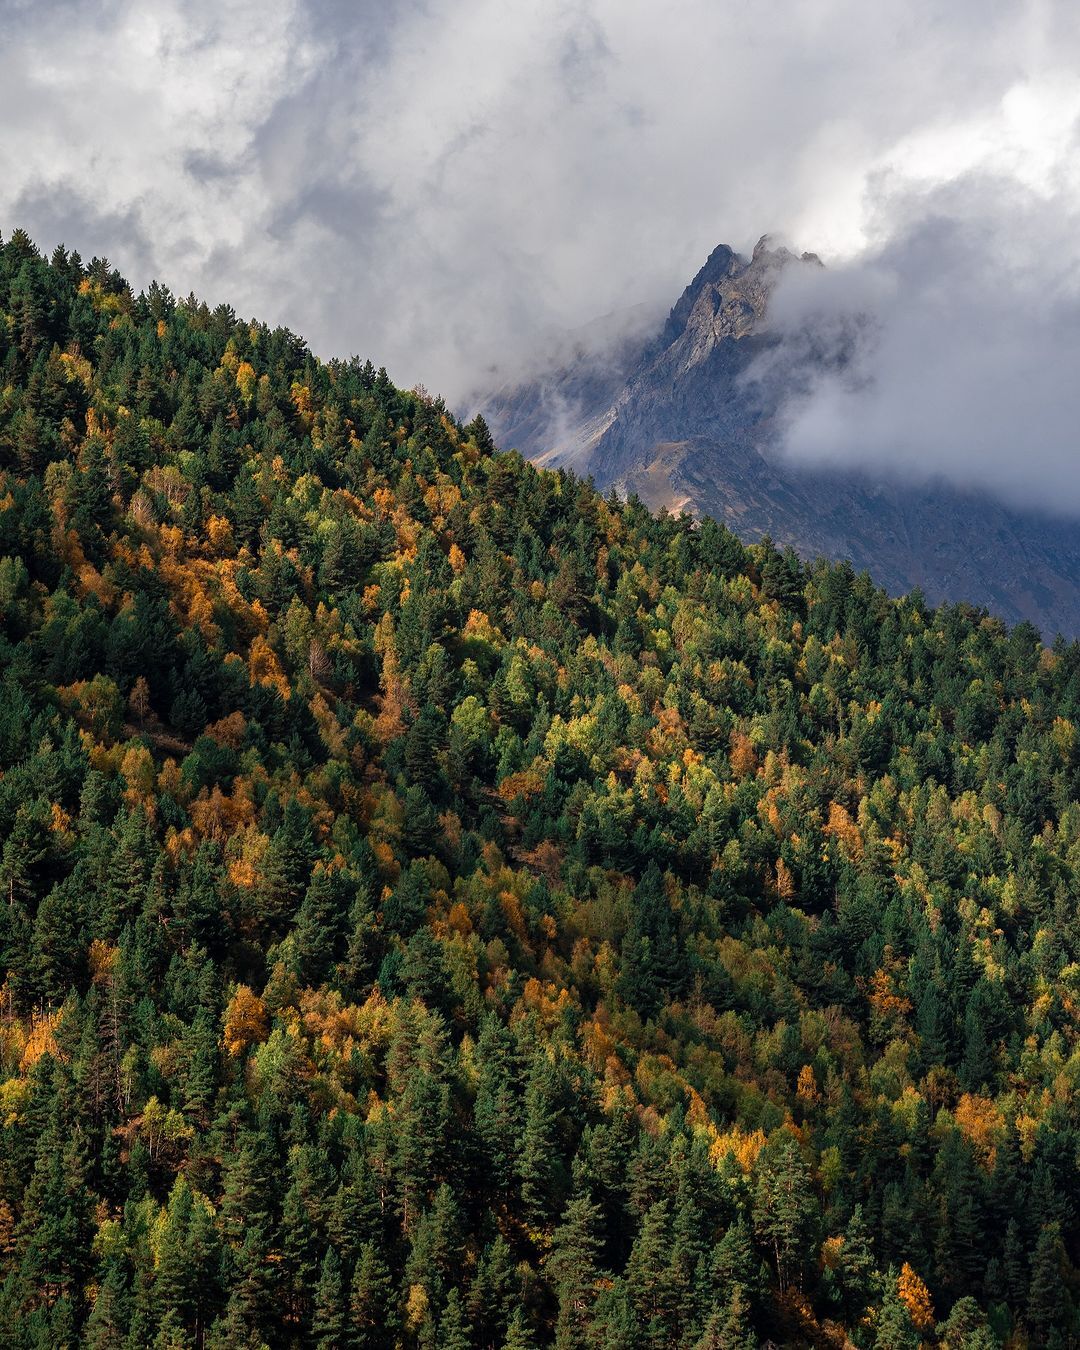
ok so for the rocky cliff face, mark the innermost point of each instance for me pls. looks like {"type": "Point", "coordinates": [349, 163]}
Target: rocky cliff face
{"type": "Point", "coordinates": [673, 418]}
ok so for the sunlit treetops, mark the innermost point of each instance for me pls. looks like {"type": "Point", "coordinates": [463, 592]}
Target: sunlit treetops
{"type": "Point", "coordinates": [443, 907]}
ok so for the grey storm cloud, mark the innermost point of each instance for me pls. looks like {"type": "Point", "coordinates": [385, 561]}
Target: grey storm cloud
{"type": "Point", "coordinates": [443, 184]}
{"type": "Point", "coordinates": [949, 351]}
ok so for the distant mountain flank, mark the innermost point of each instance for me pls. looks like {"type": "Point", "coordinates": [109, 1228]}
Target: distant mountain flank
{"type": "Point", "coordinates": [674, 418]}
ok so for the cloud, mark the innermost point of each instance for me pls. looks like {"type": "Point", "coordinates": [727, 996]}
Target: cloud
{"type": "Point", "coordinates": [441, 184]}
{"type": "Point", "coordinates": [948, 350]}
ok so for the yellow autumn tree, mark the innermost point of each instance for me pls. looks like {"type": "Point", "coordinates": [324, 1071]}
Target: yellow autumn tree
{"type": "Point", "coordinates": [137, 768]}
{"type": "Point", "coordinates": [246, 1021]}
{"type": "Point", "coordinates": [41, 1039]}
{"type": "Point", "coordinates": [915, 1296]}
{"type": "Point", "coordinates": [743, 756]}
{"type": "Point", "coordinates": [981, 1122]}
{"type": "Point", "coordinates": [265, 668]}
{"type": "Point", "coordinates": [807, 1088]}
{"type": "Point", "coordinates": [220, 535]}
{"type": "Point", "coordinates": [245, 381]}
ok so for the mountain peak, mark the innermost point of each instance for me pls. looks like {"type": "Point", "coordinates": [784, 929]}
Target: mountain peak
{"type": "Point", "coordinates": [722, 262]}
{"type": "Point", "coordinates": [728, 279]}
{"type": "Point", "coordinates": [673, 418]}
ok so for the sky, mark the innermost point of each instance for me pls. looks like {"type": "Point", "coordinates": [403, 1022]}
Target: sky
{"type": "Point", "coordinates": [443, 185]}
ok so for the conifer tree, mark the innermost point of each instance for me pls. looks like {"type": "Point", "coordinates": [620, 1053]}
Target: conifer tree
{"type": "Point", "coordinates": [537, 1165]}
{"type": "Point", "coordinates": [858, 1270]}
{"type": "Point", "coordinates": [106, 1326]}
{"type": "Point", "coordinates": [647, 1273]}
{"type": "Point", "coordinates": [784, 1208]}
{"type": "Point", "coordinates": [1046, 1304]}
{"type": "Point", "coordinates": [518, 1333]}
{"type": "Point", "coordinates": [574, 1271]}
{"type": "Point", "coordinates": [328, 1320]}
{"type": "Point", "coordinates": [174, 1282]}
{"type": "Point", "coordinates": [894, 1329]}
{"type": "Point", "coordinates": [453, 1329]}
{"type": "Point", "coordinates": [728, 1326]}
{"type": "Point", "coordinates": [370, 1299]}
{"type": "Point", "coordinates": [966, 1328]}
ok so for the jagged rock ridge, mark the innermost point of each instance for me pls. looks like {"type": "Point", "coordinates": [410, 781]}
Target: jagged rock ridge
{"type": "Point", "coordinates": [673, 418]}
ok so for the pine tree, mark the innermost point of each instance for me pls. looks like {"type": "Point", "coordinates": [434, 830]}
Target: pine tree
{"type": "Point", "coordinates": [453, 1329]}
{"type": "Point", "coordinates": [573, 1268]}
{"type": "Point", "coordinates": [784, 1208]}
{"type": "Point", "coordinates": [204, 1260]}
{"type": "Point", "coordinates": [1015, 1264]}
{"type": "Point", "coordinates": [1046, 1304]}
{"type": "Point", "coordinates": [107, 1324]}
{"type": "Point", "coordinates": [200, 1065]}
{"type": "Point", "coordinates": [518, 1333]}
{"type": "Point", "coordinates": [653, 961]}
{"type": "Point", "coordinates": [647, 1273]}
{"type": "Point", "coordinates": [977, 1066]}
{"type": "Point", "coordinates": [933, 1027]}
{"type": "Point", "coordinates": [54, 1235]}
{"type": "Point", "coordinates": [420, 1140]}
{"type": "Point", "coordinates": [319, 925]}
{"type": "Point", "coordinates": [353, 1216]}
{"type": "Point", "coordinates": [494, 1292]}
{"type": "Point", "coordinates": [617, 1326]}
{"type": "Point", "coordinates": [858, 1268]}
{"type": "Point", "coordinates": [419, 831]}
{"type": "Point", "coordinates": [174, 1283]}
{"type": "Point", "coordinates": [171, 1333]}
{"type": "Point", "coordinates": [735, 1261]}
{"type": "Point", "coordinates": [497, 1108]}
{"type": "Point", "coordinates": [966, 1328]}
{"type": "Point", "coordinates": [328, 1322]}
{"type": "Point", "coordinates": [25, 848]}
{"type": "Point", "coordinates": [255, 1288]}
{"type": "Point", "coordinates": [362, 947]}
{"type": "Point", "coordinates": [370, 1301]}
{"type": "Point", "coordinates": [728, 1326]}
{"type": "Point", "coordinates": [894, 1329]}
{"type": "Point", "coordinates": [537, 1157]}
{"type": "Point", "coordinates": [303, 1234]}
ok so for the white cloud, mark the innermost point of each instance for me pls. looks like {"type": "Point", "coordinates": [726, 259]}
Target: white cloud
{"type": "Point", "coordinates": [954, 346]}
{"type": "Point", "coordinates": [438, 184]}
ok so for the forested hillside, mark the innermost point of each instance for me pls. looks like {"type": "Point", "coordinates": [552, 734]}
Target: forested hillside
{"type": "Point", "coordinates": [442, 907]}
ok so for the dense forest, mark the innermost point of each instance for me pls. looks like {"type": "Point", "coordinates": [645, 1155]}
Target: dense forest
{"type": "Point", "coordinates": [443, 907]}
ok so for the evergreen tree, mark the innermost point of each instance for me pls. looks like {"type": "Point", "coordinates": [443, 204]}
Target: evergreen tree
{"type": "Point", "coordinates": [453, 1329]}
{"type": "Point", "coordinates": [518, 1334]}
{"type": "Point", "coordinates": [1046, 1305]}
{"type": "Point", "coordinates": [858, 1269]}
{"type": "Point", "coordinates": [728, 1326]}
{"type": "Point", "coordinates": [574, 1271]}
{"type": "Point", "coordinates": [538, 1155]}
{"type": "Point", "coordinates": [966, 1328]}
{"type": "Point", "coordinates": [319, 924]}
{"type": "Point", "coordinates": [328, 1321]}
{"type": "Point", "coordinates": [107, 1323]}
{"type": "Point", "coordinates": [648, 1276]}
{"type": "Point", "coordinates": [370, 1301]}
{"type": "Point", "coordinates": [894, 1329]}
{"type": "Point", "coordinates": [784, 1209]}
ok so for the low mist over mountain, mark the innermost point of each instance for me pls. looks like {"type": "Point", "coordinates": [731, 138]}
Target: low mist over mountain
{"type": "Point", "coordinates": [692, 417]}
